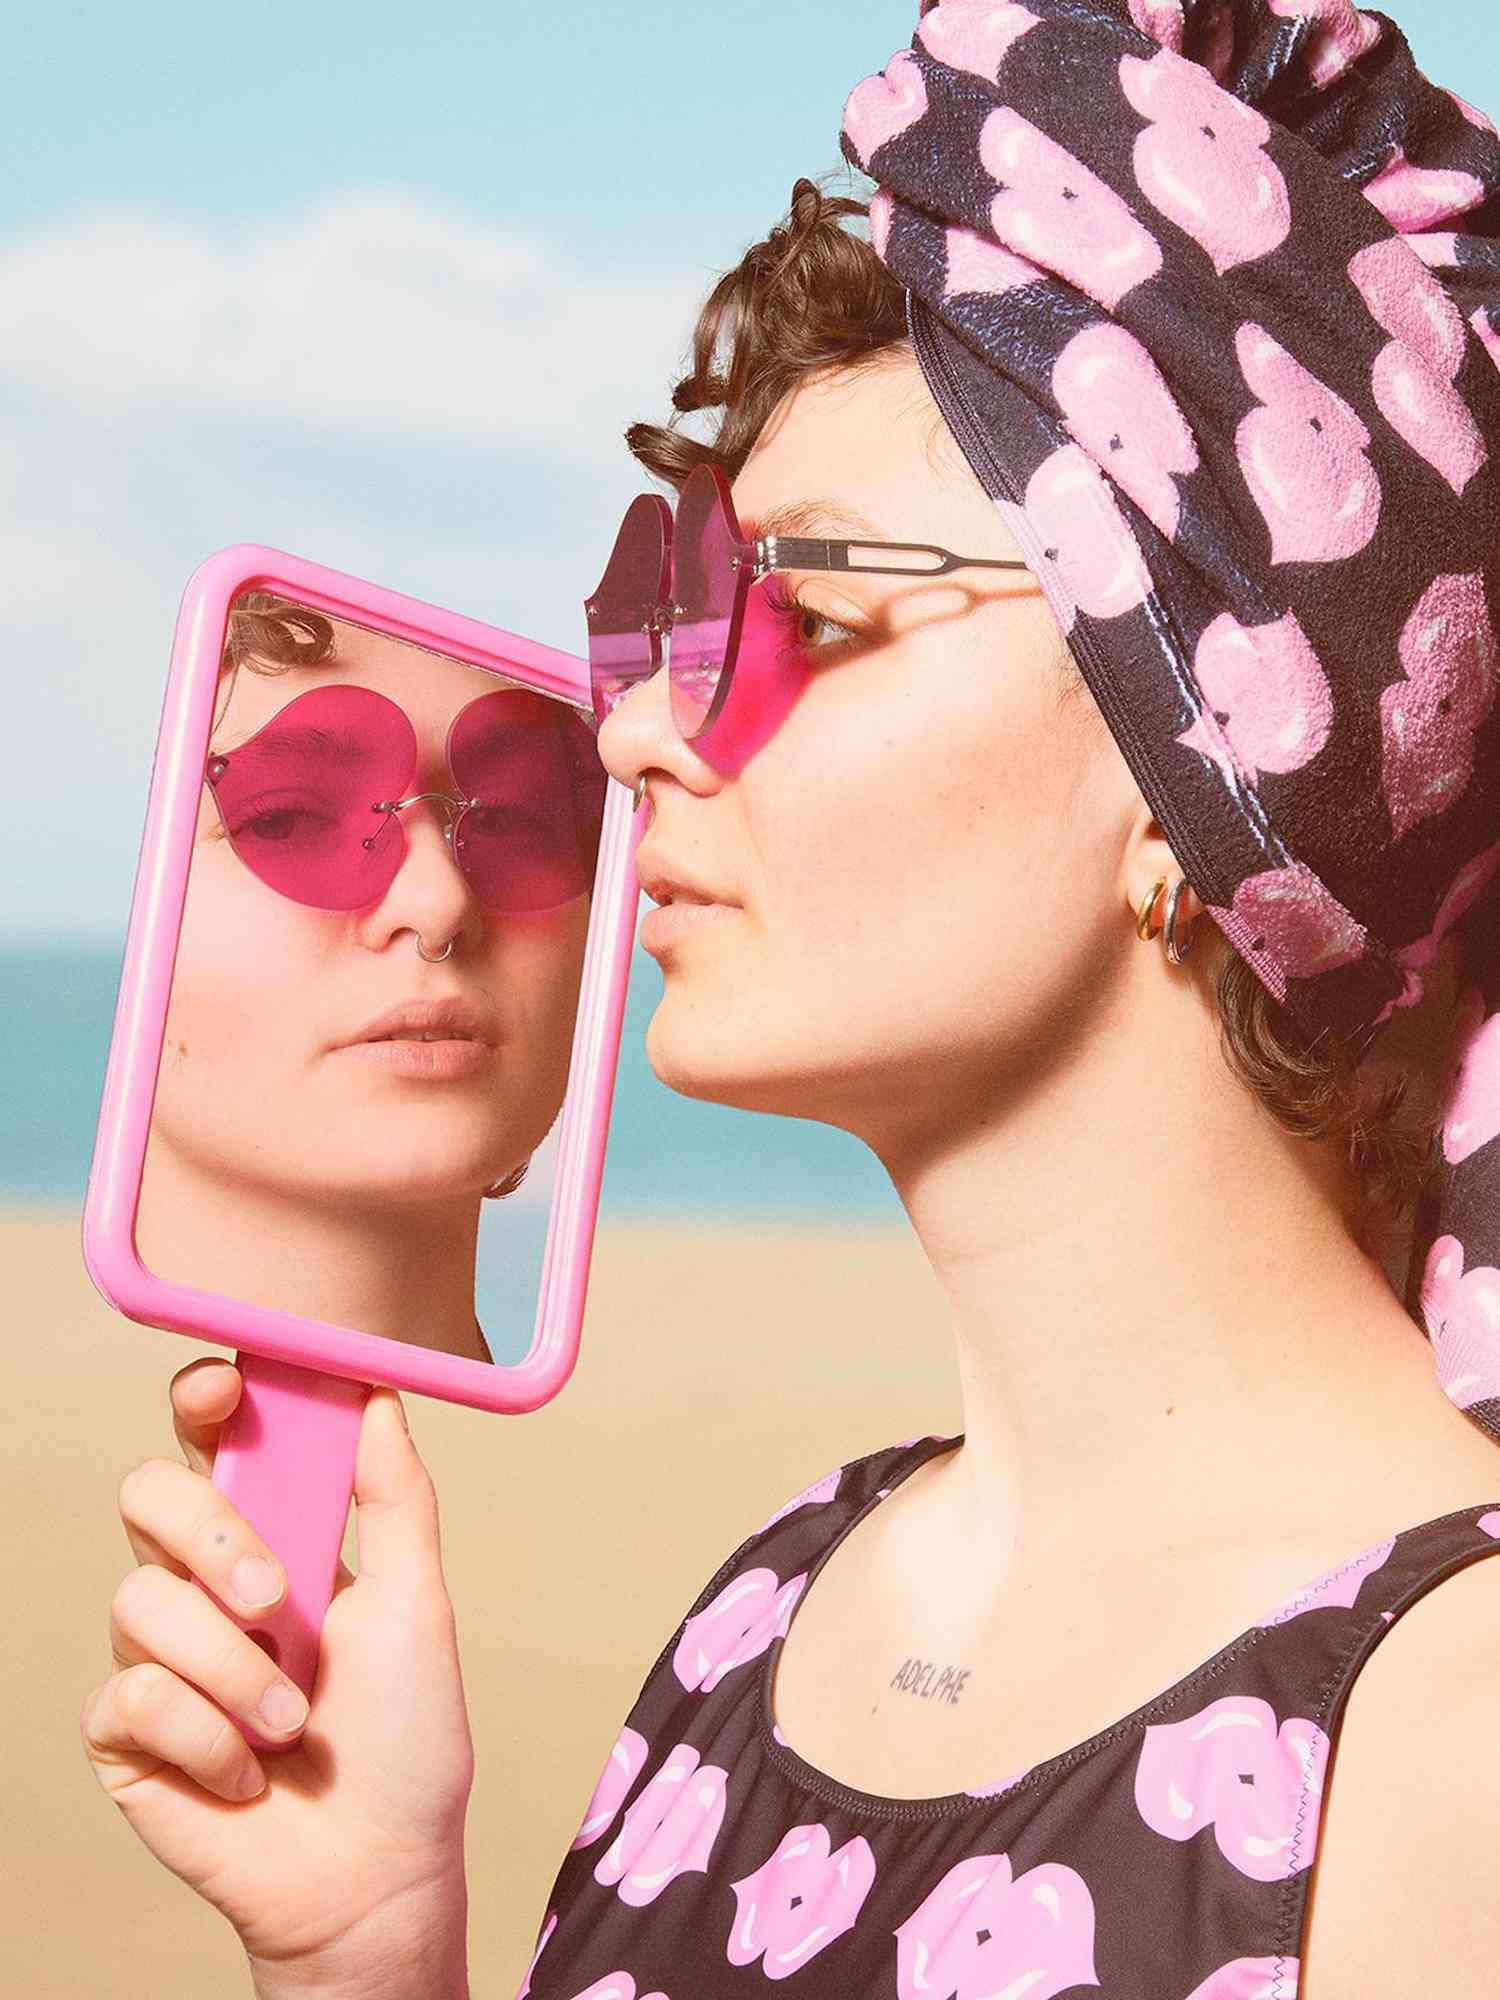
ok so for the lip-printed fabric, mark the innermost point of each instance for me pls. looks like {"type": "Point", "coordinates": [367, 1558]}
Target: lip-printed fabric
{"type": "Point", "coordinates": [1166, 1857]}
{"type": "Point", "coordinates": [1209, 295]}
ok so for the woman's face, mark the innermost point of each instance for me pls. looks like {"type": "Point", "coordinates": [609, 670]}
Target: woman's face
{"type": "Point", "coordinates": [254, 1084]}
{"type": "Point", "coordinates": [926, 844]}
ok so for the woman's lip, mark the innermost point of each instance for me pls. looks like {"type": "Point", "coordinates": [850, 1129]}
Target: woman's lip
{"type": "Point", "coordinates": [432, 1059]}
{"type": "Point", "coordinates": [663, 926]}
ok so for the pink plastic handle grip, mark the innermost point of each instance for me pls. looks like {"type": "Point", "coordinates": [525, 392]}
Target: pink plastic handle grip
{"type": "Point", "coordinates": [285, 1460]}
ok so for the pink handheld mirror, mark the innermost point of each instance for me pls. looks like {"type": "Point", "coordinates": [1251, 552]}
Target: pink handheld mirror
{"type": "Point", "coordinates": [358, 1088]}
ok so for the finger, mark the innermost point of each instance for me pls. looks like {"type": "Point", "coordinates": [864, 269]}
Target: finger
{"type": "Point", "coordinates": [143, 1718]}
{"type": "Point", "coordinates": [166, 1506]}
{"type": "Point", "coordinates": [204, 1395]}
{"type": "Point", "coordinates": [159, 1618]}
{"type": "Point", "coordinates": [395, 1507]}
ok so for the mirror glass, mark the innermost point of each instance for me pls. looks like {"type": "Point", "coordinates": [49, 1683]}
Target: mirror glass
{"type": "Point", "coordinates": [309, 1150]}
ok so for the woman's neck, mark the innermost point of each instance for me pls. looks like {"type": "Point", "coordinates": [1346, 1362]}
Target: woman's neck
{"type": "Point", "coordinates": [1165, 1331]}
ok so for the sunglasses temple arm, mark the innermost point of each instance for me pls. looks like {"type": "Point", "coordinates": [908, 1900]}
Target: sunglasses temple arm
{"type": "Point", "coordinates": [794, 552]}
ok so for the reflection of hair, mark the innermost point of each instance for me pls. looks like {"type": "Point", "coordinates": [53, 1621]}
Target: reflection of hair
{"type": "Point", "coordinates": [814, 296]}
{"type": "Point", "coordinates": [273, 633]}
{"type": "Point", "coordinates": [270, 635]}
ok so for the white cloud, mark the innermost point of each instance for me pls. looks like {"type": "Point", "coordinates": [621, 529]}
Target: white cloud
{"type": "Point", "coordinates": [372, 314]}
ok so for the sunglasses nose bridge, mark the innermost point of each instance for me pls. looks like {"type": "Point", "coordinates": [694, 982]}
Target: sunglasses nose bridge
{"type": "Point", "coordinates": [452, 802]}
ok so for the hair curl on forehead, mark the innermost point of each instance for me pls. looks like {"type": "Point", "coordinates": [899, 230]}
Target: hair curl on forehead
{"type": "Point", "coordinates": [810, 296]}
{"type": "Point", "coordinates": [270, 635]}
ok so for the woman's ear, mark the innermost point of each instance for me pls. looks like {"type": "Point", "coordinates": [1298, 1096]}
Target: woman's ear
{"type": "Point", "coordinates": [1148, 859]}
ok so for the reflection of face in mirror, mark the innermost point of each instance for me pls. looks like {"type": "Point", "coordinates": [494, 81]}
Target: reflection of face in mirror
{"type": "Point", "coordinates": [292, 1163]}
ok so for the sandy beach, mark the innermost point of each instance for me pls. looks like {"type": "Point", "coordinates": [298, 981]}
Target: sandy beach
{"type": "Point", "coordinates": [727, 1367]}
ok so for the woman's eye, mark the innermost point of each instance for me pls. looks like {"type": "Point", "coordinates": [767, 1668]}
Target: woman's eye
{"type": "Point", "coordinates": [811, 631]}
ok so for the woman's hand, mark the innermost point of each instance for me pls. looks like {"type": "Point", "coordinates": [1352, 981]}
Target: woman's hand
{"type": "Point", "coordinates": [345, 1852]}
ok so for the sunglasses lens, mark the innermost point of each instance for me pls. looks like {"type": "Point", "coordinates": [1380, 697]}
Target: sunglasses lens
{"type": "Point", "coordinates": [532, 763]}
{"type": "Point", "coordinates": [708, 593]}
{"type": "Point", "coordinates": [295, 800]}
{"type": "Point", "coordinates": [624, 647]}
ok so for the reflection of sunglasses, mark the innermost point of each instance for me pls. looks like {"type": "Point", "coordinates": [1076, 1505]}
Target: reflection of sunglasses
{"type": "Point", "coordinates": [295, 800]}
{"type": "Point", "coordinates": [685, 583]}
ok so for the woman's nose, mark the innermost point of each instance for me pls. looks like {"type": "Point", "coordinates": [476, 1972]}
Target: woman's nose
{"type": "Point", "coordinates": [427, 824]}
{"type": "Point", "coordinates": [638, 730]}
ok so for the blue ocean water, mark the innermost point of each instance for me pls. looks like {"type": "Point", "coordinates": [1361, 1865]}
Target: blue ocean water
{"type": "Point", "coordinates": [665, 1153]}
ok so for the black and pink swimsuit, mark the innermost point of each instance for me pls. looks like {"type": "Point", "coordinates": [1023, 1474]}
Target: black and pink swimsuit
{"type": "Point", "coordinates": [1165, 1858]}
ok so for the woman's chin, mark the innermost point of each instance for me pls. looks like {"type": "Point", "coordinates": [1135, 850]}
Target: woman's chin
{"type": "Point", "coordinates": [717, 1074]}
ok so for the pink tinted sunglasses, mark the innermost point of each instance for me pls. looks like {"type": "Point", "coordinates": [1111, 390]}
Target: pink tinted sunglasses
{"type": "Point", "coordinates": [296, 800]}
{"type": "Point", "coordinates": [677, 586]}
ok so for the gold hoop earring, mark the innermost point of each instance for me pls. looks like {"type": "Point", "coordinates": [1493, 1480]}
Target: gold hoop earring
{"type": "Point", "coordinates": [1143, 929]}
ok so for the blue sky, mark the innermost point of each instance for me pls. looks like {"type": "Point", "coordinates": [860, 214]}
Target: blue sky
{"type": "Point", "coordinates": [312, 276]}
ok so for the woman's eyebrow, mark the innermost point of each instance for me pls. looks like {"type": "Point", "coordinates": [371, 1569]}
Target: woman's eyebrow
{"type": "Point", "coordinates": [823, 519]}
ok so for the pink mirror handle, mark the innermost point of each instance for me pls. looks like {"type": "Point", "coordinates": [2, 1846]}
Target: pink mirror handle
{"type": "Point", "coordinates": [285, 1460]}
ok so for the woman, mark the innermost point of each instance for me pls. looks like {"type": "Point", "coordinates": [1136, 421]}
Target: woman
{"type": "Point", "coordinates": [1049, 1705]}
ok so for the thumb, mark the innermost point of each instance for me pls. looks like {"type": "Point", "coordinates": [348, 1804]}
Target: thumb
{"type": "Point", "coordinates": [395, 1506]}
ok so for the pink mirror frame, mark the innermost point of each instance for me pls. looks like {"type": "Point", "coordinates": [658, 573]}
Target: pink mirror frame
{"type": "Point", "coordinates": [286, 1458]}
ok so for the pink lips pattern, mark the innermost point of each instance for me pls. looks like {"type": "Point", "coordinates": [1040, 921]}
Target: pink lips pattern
{"type": "Point", "coordinates": [1288, 925]}
{"type": "Point", "coordinates": [1267, 702]}
{"type": "Point", "coordinates": [799, 1900]}
{"type": "Point", "coordinates": [976, 264]}
{"type": "Point", "coordinates": [1116, 404]}
{"type": "Point", "coordinates": [982, 1931]}
{"type": "Point", "coordinates": [1202, 162]}
{"type": "Point", "coordinates": [1052, 208]}
{"type": "Point", "coordinates": [669, 1831]}
{"type": "Point", "coordinates": [622, 1767]}
{"type": "Point", "coordinates": [1412, 197]}
{"type": "Point", "coordinates": [1429, 719]}
{"type": "Point", "coordinates": [1303, 457]}
{"type": "Point", "coordinates": [1160, 19]}
{"type": "Point", "coordinates": [974, 35]}
{"type": "Point", "coordinates": [1461, 1311]}
{"type": "Point", "coordinates": [1087, 553]}
{"type": "Point", "coordinates": [1341, 35]}
{"type": "Point", "coordinates": [1412, 378]}
{"type": "Point", "coordinates": [885, 106]}
{"type": "Point", "coordinates": [1233, 1768]}
{"type": "Point", "coordinates": [1473, 1107]}
{"type": "Point", "coordinates": [751, 1611]}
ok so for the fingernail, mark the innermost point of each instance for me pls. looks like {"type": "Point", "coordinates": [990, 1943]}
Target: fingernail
{"type": "Point", "coordinates": [252, 1783]}
{"type": "Point", "coordinates": [256, 1583]}
{"type": "Point", "coordinates": [283, 1707]}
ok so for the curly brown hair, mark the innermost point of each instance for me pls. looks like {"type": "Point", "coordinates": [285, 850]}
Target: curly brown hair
{"type": "Point", "coordinates": [813, 296]}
